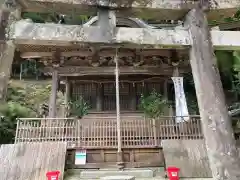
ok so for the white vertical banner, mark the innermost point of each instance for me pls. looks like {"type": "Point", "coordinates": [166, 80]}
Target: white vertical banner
{"type": "Point", "coordinates": [180, 100]}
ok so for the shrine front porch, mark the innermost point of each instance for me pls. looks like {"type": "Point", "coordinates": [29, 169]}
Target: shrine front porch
{"type": "Point", "coordinates": [97, 133]}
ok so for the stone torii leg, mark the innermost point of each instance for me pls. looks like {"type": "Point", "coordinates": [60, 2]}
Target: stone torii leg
{"type": "Point", "coordinates": [216, 123]}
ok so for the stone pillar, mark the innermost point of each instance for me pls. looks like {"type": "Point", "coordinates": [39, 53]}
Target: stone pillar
{"type": "Point", "coordinates": [106, 22]}
{"type": "Point", "coordinates": [99, 98]}
{"type": "Point", "coordinates": [8, 15]}
{"type": "Point", "coordinates": [53, 96]}
{"type": "Point", "coordinates": [216, 123]}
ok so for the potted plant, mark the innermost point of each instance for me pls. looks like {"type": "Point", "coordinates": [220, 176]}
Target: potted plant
{"type": "Point", "coordinates": [79, 108]}
{"type": "Point", "coordinates": [153, 105]}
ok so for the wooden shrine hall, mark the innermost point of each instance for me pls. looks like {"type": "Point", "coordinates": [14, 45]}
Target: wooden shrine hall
{"type": "Point", "coordinates": [89, 71]}
{"type": "Point", "coordinates": [140, 73]}
{"type": "Point", "coordinates": [110, 61]}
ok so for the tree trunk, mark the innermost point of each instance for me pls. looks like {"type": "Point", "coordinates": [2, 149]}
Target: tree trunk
{"type": "Point", "coordinates": [6, 59]}
{"type": "Point", "coordinates": [7, 48]}
{"type": "Point", "coordinates": [216, 123]}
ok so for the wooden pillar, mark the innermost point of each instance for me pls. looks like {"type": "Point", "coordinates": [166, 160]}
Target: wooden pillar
{"type": "Point", "coordinates": [165, 95]}
{"type": "Point", "coordinates": [67, 96]}
{"type": "Point", "coordinates": [99, 98]}
{"type": "Point", "coordinates": [53, 96]}
{"type": "Point", "coordinates": [216, 123]}
{"type": "Point", "coordinates": [133, 97]}
{"type": "Point", "coordinates": [107, 23]}
{"type": "Point", "coordinates": [165, 88]}
{"type": "Point", "coordinates": [8, 15]}
{"type": "Point", "coordinates": [119, 150]}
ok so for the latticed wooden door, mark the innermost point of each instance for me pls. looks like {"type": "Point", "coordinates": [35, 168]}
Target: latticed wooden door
{"type": "Point", "coordinates": [110, 96]}
{"type": "Point", "coordinates": [86, 90]}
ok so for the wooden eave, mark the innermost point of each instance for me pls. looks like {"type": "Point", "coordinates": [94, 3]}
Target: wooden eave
{"type": "Point", "coordinates": [39, 51]}
{"type": "Point", "coordinates": [154, 9]}
{"type": "Point", "coordinates": [24, 32]}
{"type": "Point", "coordinates": [74, 71]}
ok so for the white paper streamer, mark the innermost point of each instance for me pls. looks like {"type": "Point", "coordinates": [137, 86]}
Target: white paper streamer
{"type": "Point", "coordinates": [180, 100]}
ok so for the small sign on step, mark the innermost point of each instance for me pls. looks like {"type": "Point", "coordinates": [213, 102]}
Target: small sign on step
{"type": "Point", "coordinates": [80, 157]}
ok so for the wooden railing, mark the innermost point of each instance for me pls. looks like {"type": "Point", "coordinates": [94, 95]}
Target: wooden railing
{"type": "Point", "coordinates": [101, 132]}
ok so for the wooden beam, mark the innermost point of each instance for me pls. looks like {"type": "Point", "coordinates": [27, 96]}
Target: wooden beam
{"type": "Point", "coordinates": [85, 71]}
{"type": "Point", "coordinates": [26, 55]}
{"type": "Point", "coordinates": [102, 53]}
{"type": "Point", "coordinates": [81, 53]}
{"type": "Point", "coordinates": [24, 32]}
{"type": "Point", "coordinates": [154, 9]}
{"type": "Point", "coordinates": [122, 79]}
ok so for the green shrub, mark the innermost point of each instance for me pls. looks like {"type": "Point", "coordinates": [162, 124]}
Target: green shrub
{"type": "Point", "coordinates": [152, 105]}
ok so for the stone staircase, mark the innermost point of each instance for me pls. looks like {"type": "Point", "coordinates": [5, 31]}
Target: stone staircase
{"type": "Point", "coordinates": [113, 174]}
{"type": "Point", "coordinates": [126, 174]}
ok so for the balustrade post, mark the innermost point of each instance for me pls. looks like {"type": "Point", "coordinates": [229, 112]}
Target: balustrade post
{"type": "Point", "coordinates": [154, 132]}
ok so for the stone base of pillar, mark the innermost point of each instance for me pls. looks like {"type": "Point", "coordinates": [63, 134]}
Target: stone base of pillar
{"type": "Point", "coordinates": [120, 162]}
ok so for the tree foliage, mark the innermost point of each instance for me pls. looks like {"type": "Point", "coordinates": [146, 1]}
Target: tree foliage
{"type": "Point", "coordinates": [79, 107]}
{"type": "Point", "coordinates": [56, 18]}
{"type": "Point", "coordinates": [9, 112]}
{"type": "Point", "coordinates": [153, 105]}
{"type": "Point", "coordinates": [23, 101]}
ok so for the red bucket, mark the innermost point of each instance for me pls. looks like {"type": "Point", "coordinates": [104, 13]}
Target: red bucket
{"type": "Point", "coordinates": [53, 175]}
{"type": "Point", "coordinates": [173, 173]}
